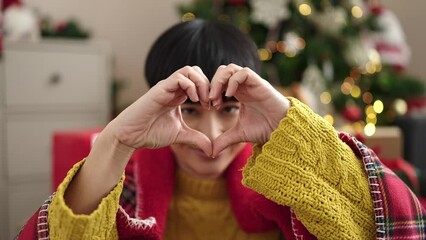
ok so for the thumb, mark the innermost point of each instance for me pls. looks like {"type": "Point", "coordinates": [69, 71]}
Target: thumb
{"type": "Point", "coordinates": [195, 138]}
{"type": "Point", "coordinates": [232, 136]}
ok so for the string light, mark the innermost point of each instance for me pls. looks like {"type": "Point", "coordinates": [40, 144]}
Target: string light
{"type": "Point", "coordinates": [367, 97]}
{"type": "Point", "coordinates": [369, 129]}
{"type": "Point", "coordinates": [374, 56]}
{"type": "Point", "coordinates": [369, 109]}
{"type": "Point", "coordinates": [378, 106]}
{"type": "Point", "coordinates": [374, 64]}
{"type": "Point", "coordinates": [400, 106]}
{"type": "Point", "coordinates": [188, 17]}
{"type": "Point", "coordinates": [371, 118]}
{"type": "Point", "coordinates": [329, 119]}
{"type": "Point", "coordinates": [350, 80]}
{"type": "Point", "coordinates": [356, 91]}
{"type": "Point", "coordinates": [325, 97]}
{"type": "Point", "coordinates": [346, 88]}
{"type": "Point", "coordinates": [370, 67]}
{"type": "Point", "coordinates": [305, 9]}
{"type": "Point", "coordinates": [281, 46]}
{"type": "Point", "coordinates": [264, 54]}
{"type": "Point", "coordinates": [355, 74]}
{"type": "Point", "coordinates": [290, 52]}
{"type": "Point", "coordinates": [357, 12]}
{"type": "Point", "coordinates": [301, 44]}
{"type": "Point", "coordinates": [272, 46]}
{"type": "Point", "coordinates": [291, 45]}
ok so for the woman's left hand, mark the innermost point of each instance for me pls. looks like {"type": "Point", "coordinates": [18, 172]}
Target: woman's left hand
{"type": "Point", "coordinates": [262, 106]}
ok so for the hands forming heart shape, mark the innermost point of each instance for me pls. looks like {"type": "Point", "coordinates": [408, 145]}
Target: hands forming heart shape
{"type": "Point", "coordinates": [155, 120]}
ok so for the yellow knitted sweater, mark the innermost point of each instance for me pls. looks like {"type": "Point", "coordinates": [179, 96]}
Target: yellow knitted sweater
{"type": "Point", "coordinates": [304, 165]}
{"type": "Point", "coordinates": [205, 202]}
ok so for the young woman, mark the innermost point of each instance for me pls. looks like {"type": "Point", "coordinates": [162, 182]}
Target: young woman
{"type": "Point", "coordinates": [223, 155]}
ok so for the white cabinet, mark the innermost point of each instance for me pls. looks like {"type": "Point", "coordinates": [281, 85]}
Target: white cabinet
{"type": "Point", "coordinates": [44, 87]}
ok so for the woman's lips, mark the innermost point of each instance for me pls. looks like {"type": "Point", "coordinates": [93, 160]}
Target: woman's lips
{"type": "Point", "coordinates": [202, 155]}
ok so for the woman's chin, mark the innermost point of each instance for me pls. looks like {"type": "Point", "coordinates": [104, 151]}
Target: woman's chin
{"type": "Point", "coordinates": [206, 168]}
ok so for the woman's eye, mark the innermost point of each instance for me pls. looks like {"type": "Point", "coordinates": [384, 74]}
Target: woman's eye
{"type": "Point", "coordinates": [230, 109]}
{"type": "Point", "coordinates": [188, 111]}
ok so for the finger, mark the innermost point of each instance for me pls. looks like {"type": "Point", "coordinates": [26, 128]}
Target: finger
{"type": "Point", "coordinates": [196, 75]}
{"type": "Point", "coordinates": [195, 138]}
{"type": "Point", "coordinates": [175, 83]}
{"type": "Point", "coordinates": [219, 83]}
{"type": "Point", "coordinates": [205, 89]}
{"type": "Point", "coordinates": [232, 136]}
{"type": "Point", "coordinates": [203, 85]}
{"type": "Point", "coordinates": [238, 78]}
{"type": "Point", "coordinates": [216, 86]}
{"type": "Point", "coordinates": [188, 87]}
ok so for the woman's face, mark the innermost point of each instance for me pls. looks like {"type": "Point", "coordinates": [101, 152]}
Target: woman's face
{"type": "Point", "coordinates": [212, 123]}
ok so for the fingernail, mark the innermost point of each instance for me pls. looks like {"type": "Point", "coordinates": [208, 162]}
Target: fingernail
{"type": "Point", "coordinates": [207, 105]}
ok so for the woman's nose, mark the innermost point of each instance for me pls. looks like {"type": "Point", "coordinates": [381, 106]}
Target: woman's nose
{"type": "Point", "coordinates": [211, 126]}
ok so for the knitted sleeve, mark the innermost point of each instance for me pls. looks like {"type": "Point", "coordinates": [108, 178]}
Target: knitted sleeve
{"type": "Point", "coordinates": [307, 167]}
{"type": "Point", "coordinates": [101, 224]}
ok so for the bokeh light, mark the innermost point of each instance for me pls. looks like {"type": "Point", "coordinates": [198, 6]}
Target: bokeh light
{"type": "Point", "coordinates": [305, 9]}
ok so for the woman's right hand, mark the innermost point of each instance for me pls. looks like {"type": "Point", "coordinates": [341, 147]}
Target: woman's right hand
{"type": "Point", "coordinates": [155, 120]}
{"type": "Point", "coordinates": [152, 121]}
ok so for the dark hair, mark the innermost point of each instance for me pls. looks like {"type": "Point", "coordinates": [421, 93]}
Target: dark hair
{"type": "Point", "coordinates": [202, 43]}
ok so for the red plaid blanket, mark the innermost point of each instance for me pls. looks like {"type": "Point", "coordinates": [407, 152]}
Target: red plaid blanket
{"type": "Point", "coordinates": [398, 212]}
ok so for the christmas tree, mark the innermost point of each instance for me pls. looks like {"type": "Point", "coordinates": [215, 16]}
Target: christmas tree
{"type": "Point", "coordinates": [344, 57]}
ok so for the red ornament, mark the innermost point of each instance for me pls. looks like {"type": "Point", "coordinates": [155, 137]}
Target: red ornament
{"type": "Point", "coordinates": [237, 2]}
{"type": "Point", "coordinates": [416, 104]}
{"type": "Point", "coordinates": [352, 113]}
{"type": "Point", "coordinates": [60, 26]}
{"type": "Point", "coordinates": [376, 10]}
{"type": "Point", "coordinates": [398, 68]}
{"type": "Point", "coordinates": [7, 3]}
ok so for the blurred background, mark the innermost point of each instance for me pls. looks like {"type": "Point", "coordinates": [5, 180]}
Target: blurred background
{"type": "Point", "coordinates": [68, 67]}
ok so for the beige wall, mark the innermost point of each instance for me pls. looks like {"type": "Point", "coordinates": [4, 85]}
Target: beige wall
{"type": "Point", "coordinates": [132, 25]}
{"type": "Point", "coordinates": [413, 19]}
{"type": "Point", "coordinates": [129, 25]}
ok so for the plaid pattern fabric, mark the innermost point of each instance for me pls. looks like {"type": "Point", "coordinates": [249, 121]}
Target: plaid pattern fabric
{"type": "Point", "coordinates": [128, 195]}
{"type": "Point", "coordinates": [42, 224]}
{"type": "Point", "coordinates": [37, 226]}
{"type": "Point", "coordinates": [398, 212]}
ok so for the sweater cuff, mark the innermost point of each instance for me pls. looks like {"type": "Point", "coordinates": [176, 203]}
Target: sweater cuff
{"type": "Point", "coordinates": [256, 151]}
{"type": "Point", "coordinates": [100, 224]}
{"type": "Point", "coordinates": [307, 167]}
